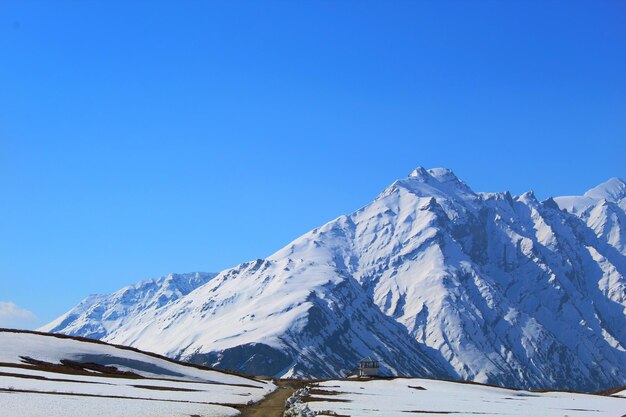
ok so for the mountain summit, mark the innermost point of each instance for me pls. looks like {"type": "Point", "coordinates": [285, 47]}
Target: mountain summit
{"type": "Point", "coordinates": [431, 277]}
{"type": "Point", "coordinates": [613, 190]}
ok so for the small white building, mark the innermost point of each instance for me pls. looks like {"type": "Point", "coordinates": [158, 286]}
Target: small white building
{"type": "Point", "coordinates": [367, 367]}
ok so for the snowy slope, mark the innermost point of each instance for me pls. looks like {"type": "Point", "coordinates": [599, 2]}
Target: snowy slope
{"type": "Point", "coordinates": [277, 318]}
{"type": "Point", "coordinates": [424, 397]}
{"type": "Point", "coordinates": [97, 315]}
{"type": "Point", "coordinates": [603, 210]}
{"type": "Point", "coordinates": [434, 279]}
{"type": "Point", "coordinates": [50, 375]}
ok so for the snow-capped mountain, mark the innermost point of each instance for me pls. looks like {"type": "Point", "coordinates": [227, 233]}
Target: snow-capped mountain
{"type": "Point", "coordinates": [97, 315]}
{"type": "Point", "coordinates": [431, 277]}
{"type": "Point", "coordinates": [603, 210]}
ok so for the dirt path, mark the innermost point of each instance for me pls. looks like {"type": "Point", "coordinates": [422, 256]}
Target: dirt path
{"type": "Point", "coordinates": [274, 404]}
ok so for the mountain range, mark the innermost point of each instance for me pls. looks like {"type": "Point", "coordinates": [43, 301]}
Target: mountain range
{"type": "Point", "coordinates": [432, 278]}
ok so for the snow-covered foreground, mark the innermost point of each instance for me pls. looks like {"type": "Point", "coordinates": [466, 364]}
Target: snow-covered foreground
{"type": "Point", "coordinates": [45, 375]}
{"type": "Point", "coordinates": [416, 397]}
{"type": "Point", "coordinates": [36, 404]}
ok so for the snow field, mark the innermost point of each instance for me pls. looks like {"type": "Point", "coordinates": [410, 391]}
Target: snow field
{"type": "Point", "coordinates": [416, 397]}
{"type": "Point", "coordinates": [34, 382]}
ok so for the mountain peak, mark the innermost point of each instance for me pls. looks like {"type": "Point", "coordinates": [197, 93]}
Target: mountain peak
{"type": "Point", "coordinates": [443, 174]}
{"type": "Point", "coordinates": [419, 172]}
{"type": "Point", "coordinates": [437, 182]}
{"type": "Point", "coordinates": [612, 190]}
{"type": "Point", "coordinates": [440, 174]}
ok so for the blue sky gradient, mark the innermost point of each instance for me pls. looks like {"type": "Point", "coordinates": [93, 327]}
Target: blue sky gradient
{"type": "Point", "coordinates": [154, 137]}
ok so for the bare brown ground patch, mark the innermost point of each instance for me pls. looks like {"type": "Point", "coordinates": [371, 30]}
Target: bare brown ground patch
{"type": "Point", "coordinates": [325, 400]}
{"type": "Point", "coordinates": [72, 368]}
{"type": "Point", "coordinates": [43, 378]}
{"type": "Point", "coordinates": [317, 391]}
{"type": "Point", "coordinates": [67, 367]}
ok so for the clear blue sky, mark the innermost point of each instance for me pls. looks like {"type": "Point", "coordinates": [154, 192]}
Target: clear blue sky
{"type": "Point", "coordinates": [154, 137]}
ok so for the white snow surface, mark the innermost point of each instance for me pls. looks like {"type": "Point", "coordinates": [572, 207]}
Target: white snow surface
{"type": "Point", "coordinates": [603, 210]}
{"type": "Point", "coordinates": [432, 278]}
{"type": "Point", "coordinates": [417, 397]}
{"type": "Point", "coordinates": [97, 315]}
{"type": "Point", "coordinates": [166, 387]}
{"type": "Point", "coordinates": [25, 404]}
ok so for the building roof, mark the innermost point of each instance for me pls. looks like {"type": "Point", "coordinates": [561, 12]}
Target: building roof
{"type": "Point", "coordinates": [368, 359]}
